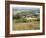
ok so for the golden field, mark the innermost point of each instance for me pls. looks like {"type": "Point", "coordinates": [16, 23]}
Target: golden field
{"type": "Point", "coordinates": [33, 25]}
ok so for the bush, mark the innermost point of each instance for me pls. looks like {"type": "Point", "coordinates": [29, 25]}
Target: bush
{"type": "Point", "coordinates": [38, 19]}
{"type": "Point", "coordinates": [22, 20]}
{"type": "Point", "coordinates": [30, 20]}
{"type": "Point", "coordinates": [19, 20]}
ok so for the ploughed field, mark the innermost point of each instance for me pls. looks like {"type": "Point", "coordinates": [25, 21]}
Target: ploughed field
{"type": "Point", "coordinates": [33, 25]}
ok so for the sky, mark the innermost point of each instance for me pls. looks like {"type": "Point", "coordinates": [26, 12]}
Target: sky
{"type": "Point", "coordinates": [23, 8]}
{"type": "Point", "coordinates": [20, 8]}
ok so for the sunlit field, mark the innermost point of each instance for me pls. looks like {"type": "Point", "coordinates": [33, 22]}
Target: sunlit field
{"type": "Point", "coordinates": [33, 25]}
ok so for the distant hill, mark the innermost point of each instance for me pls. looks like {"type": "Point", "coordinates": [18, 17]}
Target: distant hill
{"type": "Point", "coordinates": [26, 11]}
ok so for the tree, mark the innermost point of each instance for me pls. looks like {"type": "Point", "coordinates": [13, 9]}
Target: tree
{"type": "Point", "coordinates": [17, 16]}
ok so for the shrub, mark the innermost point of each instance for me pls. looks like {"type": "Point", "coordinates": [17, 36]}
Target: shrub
{"type": "Point", "coordinates": [24, 20]}
{"type": "Point", "coordinates": [38, 19]}
{"type": "Point", "coordinates": [30, 20]}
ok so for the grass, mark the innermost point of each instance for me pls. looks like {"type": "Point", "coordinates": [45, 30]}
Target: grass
{"type": "Point", "coordinates": [33, 25]}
